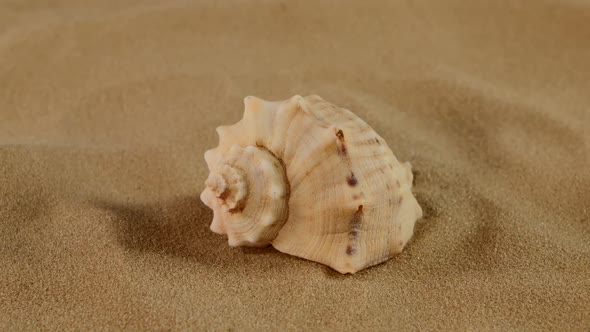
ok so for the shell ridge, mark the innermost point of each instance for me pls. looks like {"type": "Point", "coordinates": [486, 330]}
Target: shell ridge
{"type": "Point", "coordinates": [284, 116]}
{"type": "Point", "coordinates": [290, 147]}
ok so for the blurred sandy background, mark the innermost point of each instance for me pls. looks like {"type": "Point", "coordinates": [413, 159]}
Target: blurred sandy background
{"type": "Point", "coordinates": [106, 108]}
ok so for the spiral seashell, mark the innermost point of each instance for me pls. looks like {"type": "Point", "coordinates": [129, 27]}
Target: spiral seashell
{"type": "Point", "coordinates": [313, 180]}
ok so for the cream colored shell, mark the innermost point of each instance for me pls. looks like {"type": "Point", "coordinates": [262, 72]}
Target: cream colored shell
{"type": "Point", "coordinates": [313, 180]}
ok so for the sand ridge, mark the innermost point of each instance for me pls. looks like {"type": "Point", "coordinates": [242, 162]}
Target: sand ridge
{"type": "Point", "coordinates": [106, 108]}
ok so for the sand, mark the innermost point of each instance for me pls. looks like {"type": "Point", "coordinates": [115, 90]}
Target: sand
{"type": "Point", "coordinates": [106, 108]}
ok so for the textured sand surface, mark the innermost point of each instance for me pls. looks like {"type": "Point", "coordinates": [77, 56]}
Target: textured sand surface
{"type": "Point", "coordinates": [106, 108]}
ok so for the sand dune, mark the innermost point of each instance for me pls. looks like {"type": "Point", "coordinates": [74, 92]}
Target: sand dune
{"type": "Point", "coordinates": [106, 108]}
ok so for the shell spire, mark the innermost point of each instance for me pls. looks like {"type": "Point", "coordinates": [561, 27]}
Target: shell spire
{"type": "Point", "coordinates": [313, 180]}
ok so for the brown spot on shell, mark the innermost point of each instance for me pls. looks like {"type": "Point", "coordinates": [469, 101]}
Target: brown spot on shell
{"type": "Point", "coordinates": [350, 250]}
{"type": "Point", "coordinates": [400, 199]}
{"type": "Point", "coordinates": [397, 184]}
{"type": "Point", "coordinates": [224, 195]}
{"type": "Point", "coordinates": [359, 210]}
{"type": "Point", "coordinates": [355, 222]}
{"type": "Point", "coordinates": [352, 180]}
{"type": "Point", "coordinates": [370, 141]}
{"type": "Point", "coordinates": [342, 150]}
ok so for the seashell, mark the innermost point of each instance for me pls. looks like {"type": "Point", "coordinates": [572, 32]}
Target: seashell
{"type": "Point", "coordinates": [313, 180]}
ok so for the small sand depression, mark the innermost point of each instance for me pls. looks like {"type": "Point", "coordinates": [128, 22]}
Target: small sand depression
{"type": "Point", "coordinates": [106, 108]}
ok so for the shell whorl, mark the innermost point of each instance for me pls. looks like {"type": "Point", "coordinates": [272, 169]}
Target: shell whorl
{"type": "Point", "coordinates": [313, 180]}
{"type": "Point", "coordinates": [229, 186]}
{"type": "Point", "coordinates": [246, 174]}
